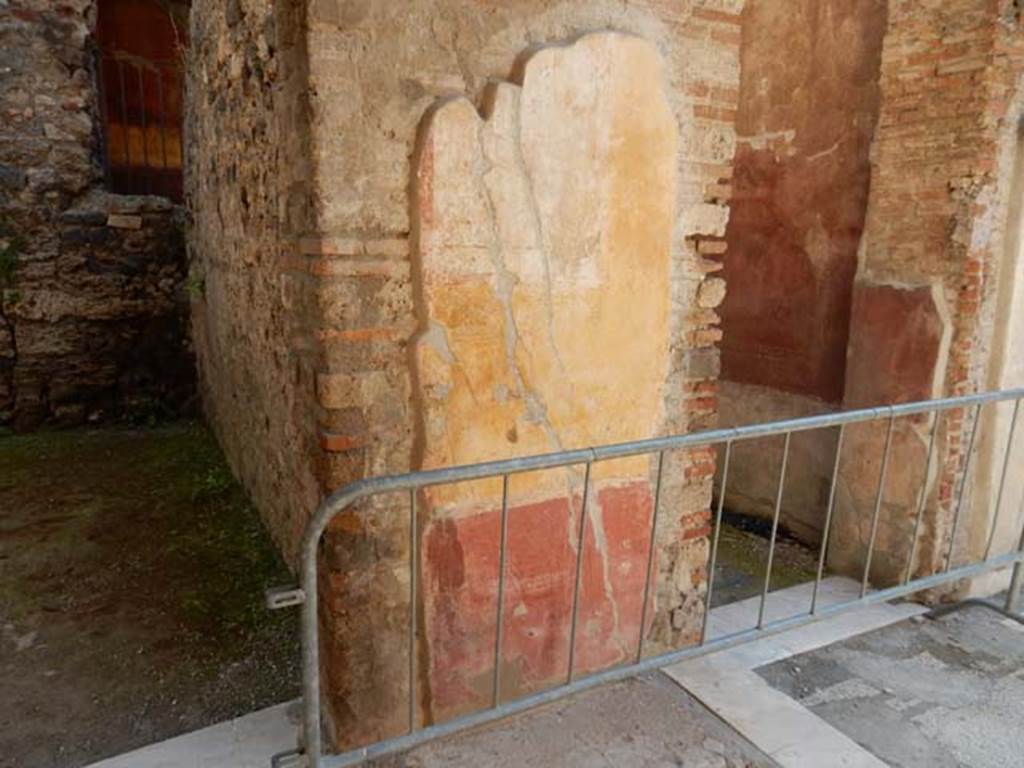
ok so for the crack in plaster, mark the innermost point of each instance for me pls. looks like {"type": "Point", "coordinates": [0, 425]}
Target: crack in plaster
{"type": "Point", "coordinates": [504, 283]}
{"type": "Point", "coordinates": [538, 225]}
{"type": "Point", "coordinates": [504, 286]}
{"type": "Point", "coordinates": [519, 263]}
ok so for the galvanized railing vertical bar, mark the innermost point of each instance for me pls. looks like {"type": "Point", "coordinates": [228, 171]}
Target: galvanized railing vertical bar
{"type": "Point", "coordinates": [124, 110]}
{"type": "Point", "coordinates": [1015, 596]}
{"type": "Point", "coordinates": [500, 623]}
{"type": "Point", "coordinates": [413, 578]}
{"type": "Point", "coordinates": [163, 117]}
{"type": "Point", "coordinates": [312, 743]}
{"type": "Point", "coordinates": [828, 519]}
{"type": "Point", "coordinates": [775, 531]}
{"type": "Point", "coordinates": [650, 556]}
{"type": "Point", "coordinates": [1002, 480]}
{"type": "Point", "coordinates": [713, 556]}
{"type": "Point", "coordinates": [142, 119]}
{"type": "Point", "coordinates": [879, 495]}
{"type": "Point", "coordinates": [963, 486]}
{"type": "Point", "coordinates": [579, 572]}
{"type": "Point", "coordinates": [922, 497]}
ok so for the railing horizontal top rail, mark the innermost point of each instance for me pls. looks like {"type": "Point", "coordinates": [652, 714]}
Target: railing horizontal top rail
{"type": "Point", "coordinates": [466, 472]}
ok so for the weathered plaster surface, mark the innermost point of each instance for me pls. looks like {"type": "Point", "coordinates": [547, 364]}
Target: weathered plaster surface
{"type": "Point", "coordinates": [935, 88]}
{"type": "Point", "coordinates": [539, 227]}
{"type": "Point", "coordinates": [1001, 518]}
{"type": "Point", "coordinates": [881, 372]}
{"type": "Point", "coordinates": [375, 70]}
{"type": "Point", "coordinates": [754, 464]}
{"type": "Point", "coordinates": [808, 105]}
{"type": "Point", "coordinates": [807, 113]}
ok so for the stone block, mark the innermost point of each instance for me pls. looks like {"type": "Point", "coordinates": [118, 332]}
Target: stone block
{"type": "Point", "coordinates": [124, 221]}
{"type": "Point", "coordinates": [711, 293]}
{"type": "Point", "coordinates": [703, 363]}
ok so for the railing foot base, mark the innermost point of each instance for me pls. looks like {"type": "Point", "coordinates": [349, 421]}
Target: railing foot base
{"type": "Point", "coordinates": [293, 758]}
{"type": "Point", "coordinates": [943, 610]}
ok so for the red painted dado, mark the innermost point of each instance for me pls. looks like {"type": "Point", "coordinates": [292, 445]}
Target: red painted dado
{"type": "Point", "coordinates": [460, 582]}
{"type": "Point", "coordinates": [894, 347]}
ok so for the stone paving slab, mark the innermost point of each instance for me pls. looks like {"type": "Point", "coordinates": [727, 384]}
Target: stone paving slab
{"type": "Point", "coordinates": [922, 693]}
{"type": "Point", "coordinates": [727, 683]}
{"type": "Point", "coordinates": [245, 742]}
{"type": "Point", "coordinates": [645, 722]}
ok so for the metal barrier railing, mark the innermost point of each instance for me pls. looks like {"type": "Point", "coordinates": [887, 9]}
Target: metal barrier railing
{"type": "Point", "coordinates": [346, 497]}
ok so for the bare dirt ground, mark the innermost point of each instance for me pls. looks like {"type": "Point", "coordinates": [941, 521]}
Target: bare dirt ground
{"type": "Point", "coordinates": [131, 577]}
{"type": "Point", "coordinates": [743, 558]}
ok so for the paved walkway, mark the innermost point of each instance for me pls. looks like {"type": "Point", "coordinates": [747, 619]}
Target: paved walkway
{"type": "Point", "coordinates": [942, 693]}
{"type": "Point", "coordinates": [739, 708]}
{"type": "Point", "coordinates": [644, 722]}
{"type": "Point", "coordinates": [245, 742]}
{"type": "Point", "coordinates": [639, 723]}
{"type": "Point", "coordinates": [727, 681]}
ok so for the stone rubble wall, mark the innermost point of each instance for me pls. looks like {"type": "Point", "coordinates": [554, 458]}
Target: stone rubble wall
{"type": "Point", "coordinates": [249, 190]}
{"type": "Point", "coordinates": [93, 306]}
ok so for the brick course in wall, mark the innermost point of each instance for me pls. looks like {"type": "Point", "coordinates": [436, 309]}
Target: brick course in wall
{"type": "Point", "coordinates": [950, 81]}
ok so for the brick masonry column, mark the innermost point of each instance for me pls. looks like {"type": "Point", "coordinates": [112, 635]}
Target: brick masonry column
{"type": "Point", "coordinates": [923, 306]}
{"type": "Point", "coordinates": [371, 380]}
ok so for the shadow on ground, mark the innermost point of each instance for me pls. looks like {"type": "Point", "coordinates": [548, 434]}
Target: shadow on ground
{"type": "Point", "coordinates": [131, 577]}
